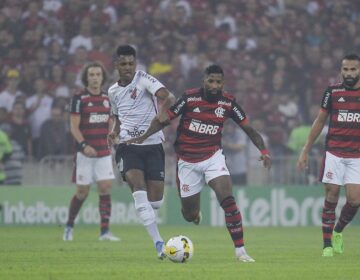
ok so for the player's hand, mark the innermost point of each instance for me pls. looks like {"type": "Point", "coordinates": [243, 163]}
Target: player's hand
{"type": "Point", "coordinates": [302, 162]}
{"type": "Point", "coordinates": [89, 151]}
{"type": "Point", "coordinates": [136, 140]}
{"type": "Point", "coordinates": [112, 138]}
{"type": "Point", "coordinates": [266, 160]}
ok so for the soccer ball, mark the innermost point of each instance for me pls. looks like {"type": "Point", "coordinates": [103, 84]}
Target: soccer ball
{"type": "Point", "coordinates": [179, 249]}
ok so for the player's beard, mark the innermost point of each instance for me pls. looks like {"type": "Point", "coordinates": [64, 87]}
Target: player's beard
{"type": "Point", "coordinates": [350, 82]}
{"type": "Point", "coordinates": [212, 95]}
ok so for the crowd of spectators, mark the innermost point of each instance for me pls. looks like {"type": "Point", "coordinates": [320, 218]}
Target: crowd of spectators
{"type": "Point", "coordinates": [278, 57]}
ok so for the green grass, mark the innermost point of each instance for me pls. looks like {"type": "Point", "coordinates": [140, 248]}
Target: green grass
{"type": "Point", "coordinates": [37, 252]}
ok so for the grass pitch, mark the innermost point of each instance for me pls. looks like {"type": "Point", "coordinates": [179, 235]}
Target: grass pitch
{"type": "Point", "coordinates": [38, 252]}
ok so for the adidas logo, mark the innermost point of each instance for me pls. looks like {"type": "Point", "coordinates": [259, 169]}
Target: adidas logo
{"type": "Point", "coordinates": [90, 104]}
{"type": "Point", "coordinates": [341, 99]}
{"type": "Point", "coordinates": [196, 110]}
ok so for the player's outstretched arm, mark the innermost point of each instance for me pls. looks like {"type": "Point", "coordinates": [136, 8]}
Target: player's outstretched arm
{"type": "Point", "coordinates": [259, 143]}
{"type": "Point", "coordinates": [316, 129]}
{"type": "Point", "coordinates": [154, 127]}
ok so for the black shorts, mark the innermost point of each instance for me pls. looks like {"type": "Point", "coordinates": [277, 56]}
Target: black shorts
{"type": "Point", "coordinates": [148, 158]}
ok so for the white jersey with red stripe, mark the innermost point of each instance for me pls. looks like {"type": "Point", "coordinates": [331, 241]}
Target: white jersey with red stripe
{"type": "Point", "coordinates": [136, 105]}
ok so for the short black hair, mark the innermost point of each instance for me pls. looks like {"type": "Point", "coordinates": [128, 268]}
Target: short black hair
{"type": "Point", "coordinates": [86, 69]}
{"type": "Point", "coordinates": [351, 56]}
{"type": "Point", "coordinates": [125, 50]}
{"type": "Point", "coordinates": [213, 69]}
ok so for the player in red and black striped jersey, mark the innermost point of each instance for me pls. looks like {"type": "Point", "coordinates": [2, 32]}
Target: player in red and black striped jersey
{"type": "Point", "coordinates": [198, 146]}
{"type": "Point", "coordinates": [90, 124]}
{"type": "Point", "coordinates": [341, 103]}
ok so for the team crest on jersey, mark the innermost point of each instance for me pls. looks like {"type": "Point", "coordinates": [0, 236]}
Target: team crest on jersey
{"type": "Point", "coordinates": [106, 103]}
{"type": "Point", "coordinates": [133, 94]}
{"type": "Point", "coordinates": [219, 112]}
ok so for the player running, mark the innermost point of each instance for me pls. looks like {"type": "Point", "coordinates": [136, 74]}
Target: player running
{"type": "Point", "coordinates": [198, 146]}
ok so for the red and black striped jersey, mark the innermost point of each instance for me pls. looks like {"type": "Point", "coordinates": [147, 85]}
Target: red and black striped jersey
{"type": "Point", "coordinates": [343, 106]}
{"type": "Point", "coordinates": [94, 113]}
{"type": "Point", "coordinates": [201, 124]}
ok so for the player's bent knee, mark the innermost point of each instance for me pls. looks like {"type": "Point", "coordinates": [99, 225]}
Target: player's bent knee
{"type": "Point", "coordinates": [156, 204]}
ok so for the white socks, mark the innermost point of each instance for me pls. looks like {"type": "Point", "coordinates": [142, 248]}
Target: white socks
{"type": "Point", "coordinates": [146, 214]}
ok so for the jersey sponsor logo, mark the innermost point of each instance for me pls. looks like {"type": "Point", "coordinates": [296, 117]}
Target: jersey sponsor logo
{"type": "Point", "coordinates": [98, 118]}
{"type": "Point", "coordinates": [196, 110]}
{"type": "Point", "coordinates": [338, 89]}
{"type": "Point", "coordinates": [326, 98]}
{"type": "Point", "coordinates": [341, 99]}
{"type": "Point", "coordinates": [348, 117]}
{"type": "Point", "coordinates": [194, 99]}
{"type": "Point", "coordinates": [147, 76]}
{"type": "Point", "coordinates": [238, 113]}
{"type": "Point", "coordinates": [224, 103]}
{"type": "Point", "coordinates": [179, 106]}
{"type": "Point", "coordinates": [203, 128]}
{"type": "Point", "coordinates": [135, 132]}
{"type": "Point", "coordinates": [219, 112]}
{"type": "Point", "coordinates": [106, 103]}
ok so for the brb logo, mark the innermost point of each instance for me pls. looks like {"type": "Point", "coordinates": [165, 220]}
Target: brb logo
{"type": "Point", "coordinates": [203, 128]}
{"type": "Point", "coordinates": [96, 118]}
{"type": "Point", "coordinates": [348, 117]}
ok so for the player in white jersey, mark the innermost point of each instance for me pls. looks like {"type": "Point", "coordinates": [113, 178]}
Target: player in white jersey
{"type": "Point", "coordinates": [134, 103]}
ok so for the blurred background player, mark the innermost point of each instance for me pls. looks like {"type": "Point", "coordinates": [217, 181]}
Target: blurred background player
{"type": "Point", "coordinates": [342, 154]}
{"type": "Point", "coordinates": [203, 113]}
{"type": "Point", "coordinates": [134, 103]}
{"type": "Point", "coordinates": [90, 122]}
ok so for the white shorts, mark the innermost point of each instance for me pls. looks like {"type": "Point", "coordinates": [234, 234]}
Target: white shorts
{"type": "Point", "coordinates": [193, 176]}
{"type": "Point", "coordinates": [90, 170]}
{"type": "Point", "coordinates": [341, 171]}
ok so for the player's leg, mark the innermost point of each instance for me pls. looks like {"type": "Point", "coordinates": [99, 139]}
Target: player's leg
{"type": "Point", "coordinates": [190, 207]}
{"type": "Point", "coordinates": [328, 216]}
{"type": "Point", "coordinates": [348, 212]}
{"type": "Point", "coordinates": [332, 176]}
{"type": "Point", "coordinates": [154, 178]}
{"type": "Point", "coordinates": [82, 176]}
{"type": "Point", "coordinates": [190, 181]}
{"type": "Point", "coordinates": [134, 160]}
{"type": "Point", "coordinates": [104, 174]}
{"type": "Point", "coordinates": [218, 178]}
{"type": "Point", "coordinates": [223, 189]}
{"type": "Point", "coordinates": [82, 191]}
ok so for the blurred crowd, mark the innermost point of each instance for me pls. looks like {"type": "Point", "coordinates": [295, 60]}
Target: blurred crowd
{"type": "Point", "coordinates": [278, 57]}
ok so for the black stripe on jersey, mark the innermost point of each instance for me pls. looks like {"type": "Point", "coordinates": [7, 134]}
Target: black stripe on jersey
{"type": "Point", "coordinates": [347, 98]}
{"type": "Point", "coordinates": [94, 125]}
{"type": "Point", "coordinates": [94, 136]}
{"type": "Point", "coordinates": [349, 150]}
{"type": "Point", "coordinates": [346, 125]}
{"type": "Point", "coordinates": [343, 138]}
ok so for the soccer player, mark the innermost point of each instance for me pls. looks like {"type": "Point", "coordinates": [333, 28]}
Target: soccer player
{"type": "Point", "coordinates": [134, 103]}
{"type": "Point", "coordinates": [90, 123]}
{"type": "Point", "coordinates": [341, 103]}
{"type": "Point", "coordinates": [198, 146]}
